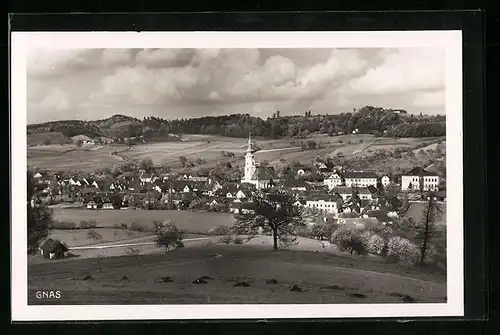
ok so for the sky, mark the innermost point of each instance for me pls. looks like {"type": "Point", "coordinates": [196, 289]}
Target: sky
{"type": "Point", "coordinates": [92, 84]}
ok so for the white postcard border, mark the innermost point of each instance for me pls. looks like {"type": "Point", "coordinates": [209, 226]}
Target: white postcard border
{"type": "Point", "coordinates": [21, 42]}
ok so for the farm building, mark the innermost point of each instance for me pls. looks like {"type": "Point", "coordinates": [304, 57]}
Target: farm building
{"type": "Point", "coordinates": [53, 249]}
{"type": "Point", "coordinates": [91, 205]}
{"type": "Point", "coordinates": [107, 205]}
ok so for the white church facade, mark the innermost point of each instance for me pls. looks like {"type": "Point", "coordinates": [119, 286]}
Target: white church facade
{"type": "Point", "coordinates": [260, 176]}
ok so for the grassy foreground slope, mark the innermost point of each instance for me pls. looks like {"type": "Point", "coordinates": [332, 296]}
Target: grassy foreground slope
{"type": "Point", "coordinates": [323, 278]}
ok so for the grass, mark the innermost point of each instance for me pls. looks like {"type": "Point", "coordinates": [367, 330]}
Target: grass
{"type": "Point", "coordinates": [47, 137]}
{"type": "Point", "coordinates": [322, 277]}
{"type": "Point", "coordinates": [188, 221]}
{"type": "Point", "coordinates": [78, 237]}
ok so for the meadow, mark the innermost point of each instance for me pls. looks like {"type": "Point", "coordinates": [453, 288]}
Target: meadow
{"type": "Point", "coordinates": [188, 221]}
{"type": "Point", "coordinates": [264, 276]}
{"type": "Point", "coordinates": [209, 147]}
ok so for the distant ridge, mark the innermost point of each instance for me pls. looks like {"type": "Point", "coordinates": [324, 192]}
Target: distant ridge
{"type": "Point", "coordinates": [366, 120]}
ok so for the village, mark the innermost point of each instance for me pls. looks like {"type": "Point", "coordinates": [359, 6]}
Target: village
{"type": "Point", "coordinates": [342, 192]}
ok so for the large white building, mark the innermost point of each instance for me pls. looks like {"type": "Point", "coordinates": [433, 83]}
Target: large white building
{"type": "Point", "coordinates": [325, 203]}
{"type": "Point", "coordinates": [359, 178]}
{"type": "Point", "coordinates": [334, 180]}
{"type": "Point", "coordinates": [419, 179]}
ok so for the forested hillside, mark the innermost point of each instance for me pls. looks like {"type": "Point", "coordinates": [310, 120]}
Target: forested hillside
{"type": "Point", "coordinates": [366, 120]}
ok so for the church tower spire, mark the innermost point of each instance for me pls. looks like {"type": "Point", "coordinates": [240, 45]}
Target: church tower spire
{"type": "Point", "coordinates": [249, 161]}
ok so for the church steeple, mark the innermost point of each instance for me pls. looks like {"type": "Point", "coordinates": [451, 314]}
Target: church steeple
{"type": "Point", "coordinates": [249, 148]}
{"type": "Point", "coordinates": [249, 161]}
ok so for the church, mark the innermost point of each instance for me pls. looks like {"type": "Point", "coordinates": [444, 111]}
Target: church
{"type": "Point", "coordinates": [260, 176]}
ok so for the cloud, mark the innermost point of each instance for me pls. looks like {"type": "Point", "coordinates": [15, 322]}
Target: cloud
{"type": "Point", "coordinates": [164, 58]}
{"type": "Point", "coordinates": [195, 82]}
{"type": "Point", "coordinates": [56, 100]}
{"type": "Point", "coordinates": [403, 70]}
{"type": "Point", "coordinates": [115, 57]}
{"type": "Point", "coordinates": [429, 99]}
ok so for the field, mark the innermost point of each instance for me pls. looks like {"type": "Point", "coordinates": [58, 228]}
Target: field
{"type": "Point", "coordinates": [46, 138]}
{"type": "Point", "coordinates": [209, 147]}
{"type": "Point", "coordinates": [78, 237]}
{"type": "Point", "coordinates": [322, 277]}
{"type": "Point", "coordinates": [193, 222]}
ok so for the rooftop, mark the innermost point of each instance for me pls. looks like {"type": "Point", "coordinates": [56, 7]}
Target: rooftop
{"type": "Point", "coordinates": [419, 171]}
{"type": "Point", "coordinates": [359, 174]}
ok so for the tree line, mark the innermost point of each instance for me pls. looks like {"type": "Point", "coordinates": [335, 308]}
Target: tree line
{"type": "Point", "coordinates": [366, 120]}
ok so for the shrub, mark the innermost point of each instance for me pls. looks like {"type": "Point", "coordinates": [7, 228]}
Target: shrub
{"type": "Point", "coordinates": [84, 225]}
{"type": "Point", "coordinates": [220, 230]}
{"type": "Point", "coordinates": [349, 239]}
{"type": "Point", "coordinates": [63, 225]}
{"type": "Point", "coordinates": [376, 245]}
{"type": "Point", "coordinates": [225, 239]}
{"type": "Point", "coordinates": [123, 226]}
{"type": "Point", "coordinates": [323, 230]}
{"type": "Point", "coordinates": [238, 240]}
{"type": "Point", "coordinates": [137, 227]}
{"type": "Point", "coordinates": [403, 250]}
{"type": "Point", "coordinates": [304, 232]}
{"type": "Point", "coordinates": [168, 236]}
{"type": "Point", "coordinates": [92, 223]}
{"type": "Point", "coordinates": [365, 238]}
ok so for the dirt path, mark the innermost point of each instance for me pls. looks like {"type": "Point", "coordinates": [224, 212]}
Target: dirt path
{"type": "Point", "coordinates": [132, 243]}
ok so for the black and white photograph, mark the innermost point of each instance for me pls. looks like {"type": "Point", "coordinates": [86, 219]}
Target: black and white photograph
{"type": "Point", "coordinates": [236, 175]}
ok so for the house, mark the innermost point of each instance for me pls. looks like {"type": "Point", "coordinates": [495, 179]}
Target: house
{"type": "Point", "coordinates": [364, 193]}
{"type": "Point", "coordinates": [147, 178]}
{"type": "Point", "coordinates": [381, 215]}
{"type": "Point", "coordinates": [300, 203]}
{"type": "Point", "coordinates": [360, 178]}
{"type": "Point", "coordinates": [243, 194]}
{"type": "Point", "coordinates": [91, 205]}
{"type": "Point", "coordinates": [363, 223]}
{"type": "Point", "coordinates": [217, 202]}
{"type": "Point", "coordinates": [37, 175]}
{"type": "Point", "coordinates": [386, 180]}
{"type": "Point", "coordinates": [74, 182]}
{"type": "Point", "coordinates": [325, 203]}
{"type": "Point", "coordinates": [419, 179]}
{"type": "Point", "coordinates": [438, 196]}
{"type": "Point", "coordinates": [303, 171]}
{"type": "Point", "coordinates": [198, 178]}
{"type": "Point", "coordinates": [242, 207]}
{"type": "Point", "coordinates": [107, 205]}
{"type": "Point", "coordinates": [320, 165]}
{"type": "Point", "coordinates": [334, 180]}
{"type": "Point", "coordinates": [294, 185]}
{"type": "Point", "coordinates": [53, 249]}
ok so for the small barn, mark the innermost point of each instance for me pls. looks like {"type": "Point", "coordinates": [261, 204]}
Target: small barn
{"type": "Point", "coordinates": [53, 249]}
{"type": "Point", "coordinates": [107, 205]}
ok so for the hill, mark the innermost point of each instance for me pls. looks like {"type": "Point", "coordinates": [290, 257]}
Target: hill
{"type": "Point", "coordinates": [367, 120]}
{"type": "Point", "coordinates": [46, 138]}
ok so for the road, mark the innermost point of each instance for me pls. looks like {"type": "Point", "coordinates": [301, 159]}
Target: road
{"type": "Point", "coordinates": [133, 243]}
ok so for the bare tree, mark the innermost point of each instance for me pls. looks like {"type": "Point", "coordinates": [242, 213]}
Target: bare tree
{"type": "Point", "coordinates": [93, 235]}
{"type": "Point", "coordinates": [134, 252]}
{"type": "Point", "coordinates": [426, 227]}
{"type": "Point", "coordinates": [100, 255]}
